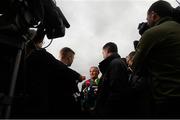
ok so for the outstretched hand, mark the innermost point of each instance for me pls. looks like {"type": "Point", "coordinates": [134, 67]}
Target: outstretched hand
{"type": "Point", "coordinates": [82, 78]}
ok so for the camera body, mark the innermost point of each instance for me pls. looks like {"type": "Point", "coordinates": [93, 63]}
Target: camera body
{"type": "Point", "coordinates": [17, 16]}
{"type": "Point", "coordinates": [54, 20]}
{"type": "Point", "coordinates": [142, 27]}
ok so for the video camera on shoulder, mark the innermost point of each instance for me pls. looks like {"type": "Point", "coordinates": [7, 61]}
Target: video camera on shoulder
{"type": "Point", "coordinates": [17, 16]}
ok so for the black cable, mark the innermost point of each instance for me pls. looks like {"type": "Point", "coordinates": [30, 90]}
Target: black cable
{"type": "Point", "coordinates": [48, 44]}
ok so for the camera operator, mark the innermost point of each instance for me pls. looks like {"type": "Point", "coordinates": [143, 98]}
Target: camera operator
{"type": "Point", "coordinates": [158, 48]}
{"type": "Point", "coordinates": [49, 87]}
{"type": "Point", "coordinates": [16, 18]}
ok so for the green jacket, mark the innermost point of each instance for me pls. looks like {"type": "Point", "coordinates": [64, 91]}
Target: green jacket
{"type": "Point", "coordinates": [159, 48]}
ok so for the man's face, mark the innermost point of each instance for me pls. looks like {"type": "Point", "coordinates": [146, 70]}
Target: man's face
{"type": "Point", "coordinates": [151, 18]}
{"type": "Point", "coordinates": [129, 60]}
{"type": "Point", "coordinates": [94, 72]}
{"type": "Point", "coordinates": [105, 53]}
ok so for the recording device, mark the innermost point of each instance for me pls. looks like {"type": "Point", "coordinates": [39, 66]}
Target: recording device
{"type": "Point", "coordinates": [54, 20]}
{"type": "Point", "coordinates": [142, 27]}
{"type": "Point", "coordinates": [135, 43]}
{"type": "Point", "coordinates": [17, 16]}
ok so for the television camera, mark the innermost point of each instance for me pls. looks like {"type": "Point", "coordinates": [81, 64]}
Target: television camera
{"type": "Point", "coordinates": [20, 15]}
{"type": "Point", "coordinates": [17, 17]}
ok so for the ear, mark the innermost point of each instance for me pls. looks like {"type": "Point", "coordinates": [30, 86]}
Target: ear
{"type": "Point", "coordinates": [109, 54]}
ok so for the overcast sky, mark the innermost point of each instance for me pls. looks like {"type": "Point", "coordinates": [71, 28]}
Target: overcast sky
{"type": "Point", "coordinates": [96, 22]}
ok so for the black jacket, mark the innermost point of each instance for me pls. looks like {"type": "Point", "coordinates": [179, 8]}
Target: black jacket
{"type": "Point", "coordinates": [49, 89]}
{"type": "Point", "coordinates": [113, 88]}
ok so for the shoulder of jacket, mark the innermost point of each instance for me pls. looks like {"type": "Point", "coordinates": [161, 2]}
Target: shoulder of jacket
{"type": "Point", "coordinates": [116, 61]}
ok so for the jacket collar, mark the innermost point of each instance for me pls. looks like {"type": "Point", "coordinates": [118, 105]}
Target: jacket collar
{"type": "Point", "coordinates": [105, 63]}
{"type": "Point", "coordinates": [162, 20]}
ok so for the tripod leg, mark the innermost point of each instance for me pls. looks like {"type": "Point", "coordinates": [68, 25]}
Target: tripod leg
{"type": "Point", "coordinates": [13, 80]}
